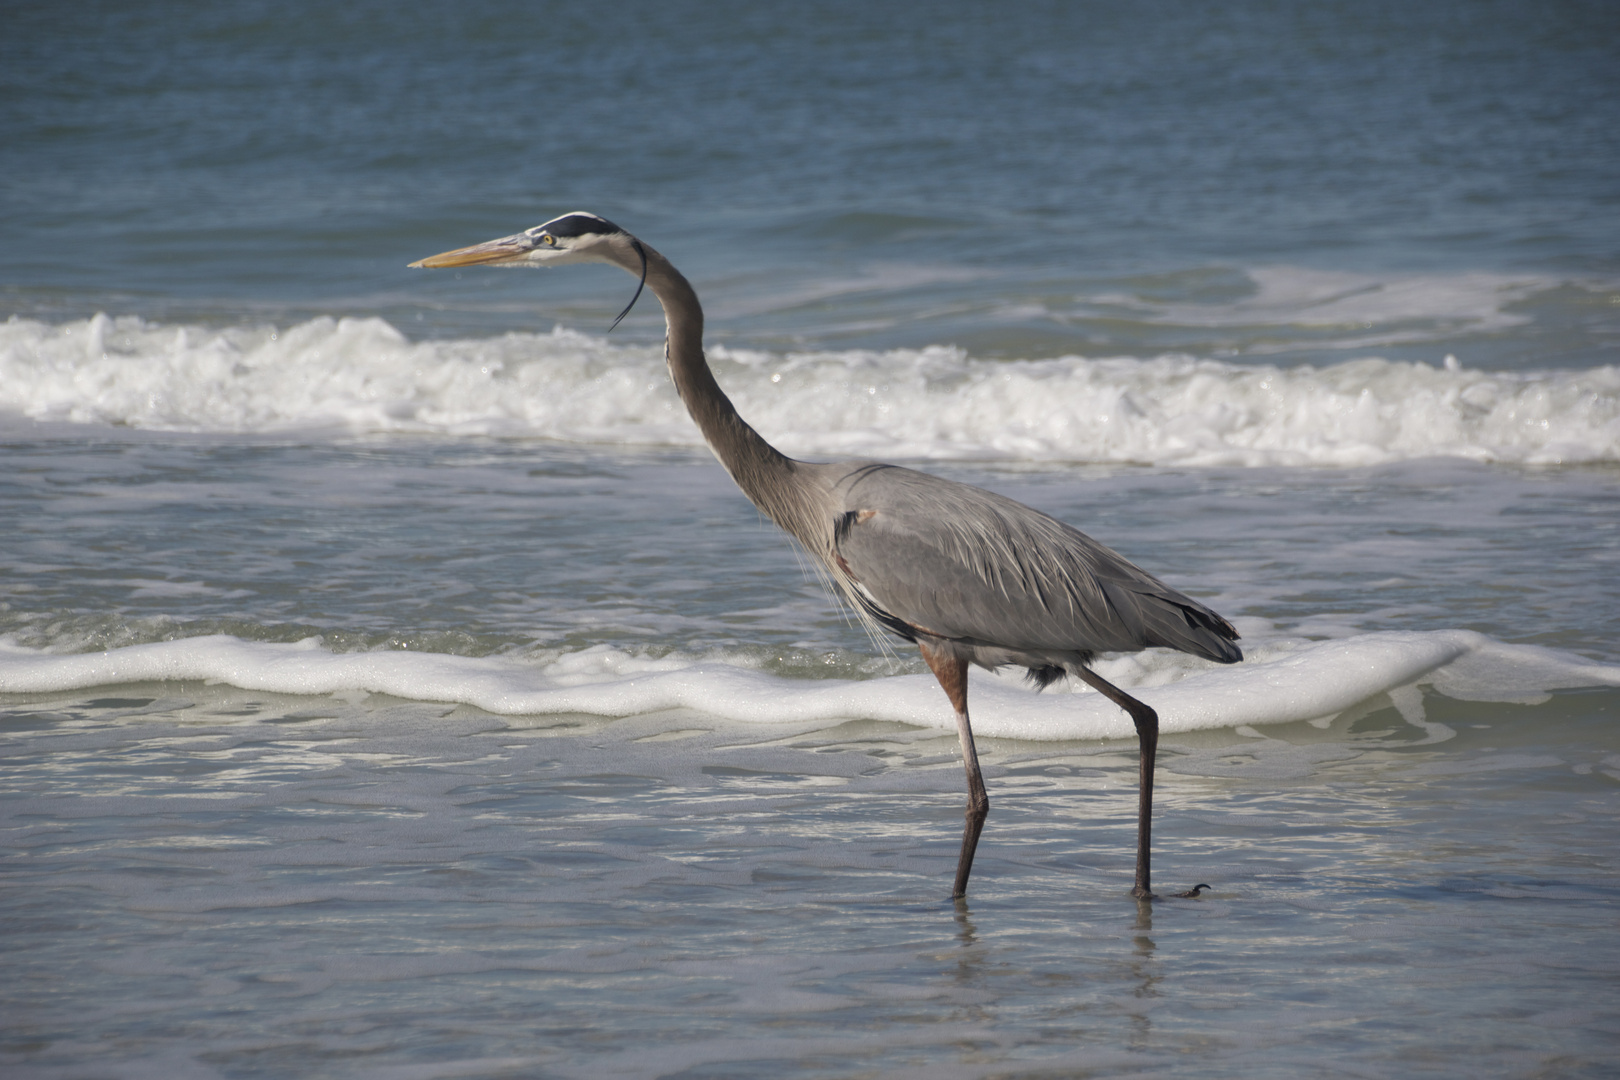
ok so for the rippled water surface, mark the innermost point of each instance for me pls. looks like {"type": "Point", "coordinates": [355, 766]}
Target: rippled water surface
{"type": "Point", "coordinates": [255, 883]}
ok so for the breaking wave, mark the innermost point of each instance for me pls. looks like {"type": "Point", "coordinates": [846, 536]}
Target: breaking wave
{"type": "Point", "coordinates": [1279, 682]}
{"type": "Point", "coordinates": [363, 376]}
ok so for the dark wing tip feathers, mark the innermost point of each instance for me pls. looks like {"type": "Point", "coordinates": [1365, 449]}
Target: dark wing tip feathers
{"type": "Point", "coordinates": [1215, 633]}
{"type": "Point", "coordinates": [1207, 635]}
{"type": "Point", "coordinates": [1191, 630]}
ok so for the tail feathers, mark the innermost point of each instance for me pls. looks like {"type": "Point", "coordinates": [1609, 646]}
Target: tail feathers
{"type": "Point", "coordinates": [1045, 675]}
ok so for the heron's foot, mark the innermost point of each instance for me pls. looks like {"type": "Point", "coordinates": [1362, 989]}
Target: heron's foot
{"type": "Point", "coordinates": [1143, 893]}
{"type": "Point", "coordinates": [1192, 893]}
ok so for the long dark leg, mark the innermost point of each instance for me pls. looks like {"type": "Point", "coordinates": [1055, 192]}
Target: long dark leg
{"type": "Point", "coordinates": [952, 675]}
{"type": "Point", "coordinates": [1147, 736]}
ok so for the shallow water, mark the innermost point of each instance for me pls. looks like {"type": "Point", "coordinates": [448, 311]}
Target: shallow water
{"type": "Point", "coordinates": [392, 686]}
{"type": "Point", "coordinates": [357, 884]}
{"type": "Point", "coordinates": [384, 888]}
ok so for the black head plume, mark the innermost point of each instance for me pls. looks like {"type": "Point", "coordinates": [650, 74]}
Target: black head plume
{"type": "Point", "coordinates": [643, 284]}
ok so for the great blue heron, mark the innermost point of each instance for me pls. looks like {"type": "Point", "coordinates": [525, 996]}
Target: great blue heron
{"type": "Point", "coordinates": [967, 575]}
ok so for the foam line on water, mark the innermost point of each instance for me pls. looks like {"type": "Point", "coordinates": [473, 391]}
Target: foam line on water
{"type": "Point", "coordinates": [361, 375]}
{"type": "Point", "coordinates": [1283, 683]}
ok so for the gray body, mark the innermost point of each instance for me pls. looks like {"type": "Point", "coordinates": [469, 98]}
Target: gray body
{"type": "Point", "coordinates": [994, 581]}
{"type": "Point", "coordinates": [970, 576]}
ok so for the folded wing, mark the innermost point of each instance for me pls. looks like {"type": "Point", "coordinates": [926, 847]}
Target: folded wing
{"type": "Point", "coordinates": [964, 564]}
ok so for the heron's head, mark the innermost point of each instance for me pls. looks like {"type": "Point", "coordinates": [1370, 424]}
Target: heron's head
{"type": "Point", "coordinates": [574, 237]}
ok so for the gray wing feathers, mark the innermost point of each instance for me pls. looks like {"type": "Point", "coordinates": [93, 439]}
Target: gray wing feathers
{"type": "Point", "coordinates": [963, 563]}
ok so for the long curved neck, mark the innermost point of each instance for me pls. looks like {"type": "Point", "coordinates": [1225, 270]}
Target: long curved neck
{"type": "Point", "coordinates": [764, 474]}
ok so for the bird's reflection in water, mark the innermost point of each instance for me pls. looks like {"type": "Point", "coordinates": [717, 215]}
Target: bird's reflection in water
{"type": "Point", "coordinates": [972, 966]}
{"type": "Point", "coordinates": [1145, 973]}
{"type": "Point", "coordinates": [1144, 927]}
{"type": "Point", "coordinates": [964, 924]}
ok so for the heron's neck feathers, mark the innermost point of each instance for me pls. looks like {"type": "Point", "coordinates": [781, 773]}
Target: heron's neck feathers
{"type": "Point", "coordinates": [764, 474]}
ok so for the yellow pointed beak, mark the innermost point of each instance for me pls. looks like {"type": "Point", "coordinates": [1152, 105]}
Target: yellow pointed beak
{"type": "Point", "coordinates": [492, 251]}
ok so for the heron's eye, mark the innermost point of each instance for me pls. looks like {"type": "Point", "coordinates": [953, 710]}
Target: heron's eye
{"type": "Point", "coordinates": [548, 240]}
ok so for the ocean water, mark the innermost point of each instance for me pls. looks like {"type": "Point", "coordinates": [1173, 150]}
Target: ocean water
{"type": "Point", "coordinates": [392, 685]}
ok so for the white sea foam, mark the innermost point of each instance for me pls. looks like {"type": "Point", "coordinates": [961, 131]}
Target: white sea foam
{"type": "Point", "coordinates": [1280, 683]}
{"type": "Point", "coordinates": [362, 375]}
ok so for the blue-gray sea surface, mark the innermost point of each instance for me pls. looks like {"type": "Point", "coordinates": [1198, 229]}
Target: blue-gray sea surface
{"type": "Point", "coordinates": [392, 686]}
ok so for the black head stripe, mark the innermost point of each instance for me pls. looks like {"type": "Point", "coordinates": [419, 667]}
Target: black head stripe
{"type": "Point", "coordinates": [570, 225]}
